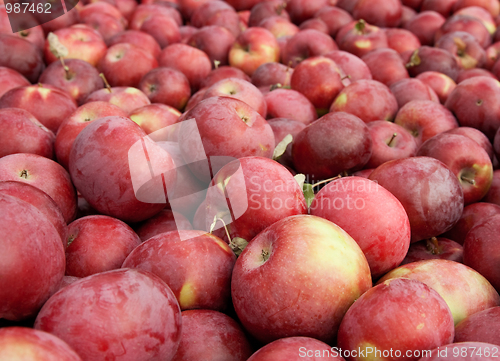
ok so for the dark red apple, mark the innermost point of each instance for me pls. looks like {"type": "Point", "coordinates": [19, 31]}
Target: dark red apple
{"type": "Point", "coordinates": [138, 38]}
{"type": "Point", "coordinates": [24, 57]}
{"type": "Point", "coordinates": [353, 67]}
{"type": "Point", "coordinates": [483, 326]}
{"type": "Point", "coordinates": [380, 13]}
{"type": "Point", "coordinates": [9, 79]}
{"type": "Point", "coordinates": [126, 98]}
{"type": "Point", "coordinates": [281, 128]}
{"type": "Point", "coordinates": [406, 90]}
{"type": "Point", "coordinates": [334, 18]}
{"type": "Point", "coordinates": [434, 248]}
{"type": "Point", "coordinates": [223, 72]}
{"type": "Point", "coordinates": [425, 24]}
{"type": "Point", "coordinates": [386, 65]}
{"type": "Point", "coordinates": [402, 40]}
{"type": "Point", "coordinates": [290, 104]}
{"type": "Point", "coordinates": [427, 58]}
{"type": "Point", "coordinates": [165, 221]}
{"type": "Point", "coordinates": [466, 49]}
{"type": "Point", "coordinates": [468, 24]}
{"type": "Point", "coordinates": [306, 43]}
{"type": "Point", "coordinates": [442, 84]}
{"type": "Point", "coordinates": [215, 41]}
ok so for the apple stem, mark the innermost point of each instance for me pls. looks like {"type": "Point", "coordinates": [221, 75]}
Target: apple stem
{"type": "Point", "coordinates": [414, 60]}
{"type": "Point", "coordinates": [360, 26]}
{"type": "Point", "coordinates": [275, 86]}
{"type": "Point", "coordinates": [468, 180]}
{"type": "Point", "coordinates": [65, 67]}
{"type": "Point", "coordinates": [327, 180]}
{"type": "Point", "coordinates": [280, 8]}
{"type": "Point", "coordinates": [237, 244]}
{"type": "Point", "coordinates": [433, 246]}
{"type": "Point", "coordinates": [394, 135]}
{"type": "Point", "coordinates": [105, 82]}
{"type": "Point", "coordinates": [216, 64]}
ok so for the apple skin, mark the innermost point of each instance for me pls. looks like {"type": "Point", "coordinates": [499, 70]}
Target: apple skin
{"type": "Point", "coordinates": [424, 25]}
{"type": "Point", "coordinates": [133, 304]}
{"type": "Point", "coordinates": [82, 42]}
{"type": "Point", "coordinates": [407, 14]}
{"type": "Point", "coordinates": [462, 351]}
{"type": "Point", "coordinates": [386, 66]}
{"type": "Point", "coordinates": [9, 79]}
{"type": "Point", "coordinates": [98, 244]}
{"type": "Point", "coordinates": [424, 119]}
{"type": "Point", "coordinates": [23, 133]}
{"type": "Point", "coordinates": [138, 38]}
{"type": "Point", "coordinates": [154, 118]}
{"type": "Point", "coordinates": [493, 195]}
{"type": "Point", "coordinates": [306, 43]}
{"type": "Point", "coordinates": [256, 193]}
{"type": "Point", "coordinates": [492, 6]}
{"type": "Point", "coordinates": [466, 159]}
{"type": "Point", "coordinates": [166, 86]}
{"type": "Point", "coordinates": [285, 349]}
{"type": "Point", "coordinates": [192, 62]}
{"type": "Point", "coordinates": [266, 9]}
{"type": "Point", "coordinates": [428, 58]}
{"type": "Point", "coordinates": [79, 119]}
{"type": "Point", "coordinates": [113, 140]}
{"type": "Point", "coordinates": [481, 14]}
{"type": "Point", "coordinates": [143, 12]}
{"type": "Point", "coordinates": [44, 174]}
{"type": "Point", "coordinates": [406, 90]}
{"type": "Point", "coordinates": [165, 221]}
{"type": "Point", "coordinates": [26, 59]}
{"type": "Point", "coordinates": [359, 38]}
{"type": "Point", "coordinates": [402, 40]}
{"type": "Point", "coordinates": [465, 48]}
{"type": "Point", "coordinates": [290, 104]}
{"type": "Point", "coordinates": [195, 265]}
{"type": "Point", "coordinates": [464, 290]}
{"type": "Point", "coordinates": [393, 300]}
{"type": "Point", "coordinates": [211, 335]}
{"type": "Point", "coordinates": [68, 19]}
{"type": "Point", "coordinates": [40, 200]}
{"type": "Point", "coordinates": [163, 27]}
{"type": "Point", "coordinates": [215, 41]}
{"type": "Point", "coordinates": [471, 73]}
{"type": "Point", "coordinates": [281, 128]}
{"type": "Point", "coordinates": [483, 326]}
{"type": "Point", "coordinates": [217, 13]}
{"type": "Point", "coordinates": [481, 250]}
{"type": "Point", "coordinates": [223, 72]}
{"type": "Point", "coordinates": [371, 215]}
{"type": "Point", "coordinates": [126, 98]}
{"type": "Point", "coordinates": [474, 103]}
{"type": "Point", "coordinates": [17, 342]}
{"type": "Point", "coordinates": [239, 89]}
{"type": "Point", "coordinates": [334, 18]}
{"type": "Point", "coordinates": [472, 215]}
{"type": "Point", "coordinates": [106, 24]}
{"type": "Point", "coordinates": [249, 134]}
{"type": "Point", "coordinates": [369, 100]}
{"type": "Point", "coordinates": [281, 28]}
{"type": "Point", "coordinates": [492, 55]}
{"type": "Point", "coordinates": [379, 13]}
{"type": "Point", "coordinates": [353, 67]}
{"type": "Point", "coordinates": [326, 147]}
{"type": "Point", "coordinates": [272, 74]}
{"type": "Point", "coordinates": [31, 271]}
{"type": "Point", "coordinates": [319, 79]}
{"type": "Point", "coordinates": [444, 7]}
{"type": "Point", "coordinates": [50, 105]}
{"type": "Point", "coordinates": [442, 84]}
{"type": "Point", "coordinates": [434, 248]}
{"type": "Point", "coordinates": [79, 81]}
{"type": "Point", "coordinates": [252, 48]}
{"type": "Point", "coordinates": [389, 141]}
{"type": "Point", "coordinates": [430, 193]}
{"type": "Point", "coordinates": [294, 257]}
{"type": "Point", "coordinates": [316, 24]}
{"type": "Point", "coordinates": [125, 64]}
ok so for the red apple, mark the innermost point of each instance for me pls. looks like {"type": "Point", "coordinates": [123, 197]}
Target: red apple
{"type": "Point", "coordinates": [481, 250]}
{"type": "Point", "coordinates": [164, 28]}
{"type": "Point", "coordinates": [306, 43]}
{"type": "Point", "coordinates": [129, 191]}
{"type": "Point", "coordinates": [9, 79]}
{"type": "Point", "coordinates": [443, 7]}
{"type": "Point", "coordinates": [98, 244]}
{"type": "Point", "coordinates": [493, 195]}
{"type": "Point", "coordinates": [252, 48]}
{"type": "Point", "coordinates": [24, 58]}
{"type": "Point", "coordinates": [288, 103]}
{"type": "Point", "coordinates": [371, 215]}
{"type": "Point", "coordinates": [267, 9]}
{"type": "Point", "coordinates": [301, 10]}
{"type": "Point", "coordinates": [215, 41]}
{"type": "Point", "coordinates": [379, 12]}
{"type": "Point", "coordinates": [217, 13]}
{"type": "Point", "coordinates": [23, 133]}
{"type": "Point", "coordinates": [155, 118]}
{"type": "Point", "coordinates": [126, 98]}
{"type": "Point", "coordinates": [82, 42]}
{"type": "Point", "coordinates": [434, 248]}
{"type": "Point", "coordinates": [192, 62]}
{"type": "Point", "coordinates": [479, 13]}
{"type": "Point", "coordinates": [442, 84]}
{"type": "Point", "coordinates": [272, 74]}
{"type": "Point", "coordinates": [287, 261]}
{"type": "Point", "coordinates": [464, 47]}
{"type": "Point", "coordinates": [353, 67]}
{"type": "Point", "coordinates": [138, 38]}
{"type": "Point", "coordinates": [107, 25]}
{"type": "Point", "coordinates": [316, 24]}
{"type": "Point", "coordinates": [386, 65]}
{"type": "Point", "coordinates": [477, 136]}
{"type": "Point", "coordinates": [406, 90]}
{"type": "Point", "coordinates": [79, 119]}
{"type": "Point", "coordinates": [429, 322]}
{"type": "Point", "coordinates": [223, 72]}
{"type": "Point", "coordinates": [466, 159]}
{"type": "Point", "coordinates": [334, 18]}
{"type": "Point", "coordinates": [143, 12]}
{"type": "Point", "coordinates": [166, 86]}
{"type": "Point", "coordinates": [327, 147]}
{"type": "Point", "coordinates": [50, 105]}
{"type": "Point", "coordinates": [425, 119]}
{"type": "Point", "coordinates": [468, 24]}
{"type": "Point", "coordinates": [483, 326]}
{"type": "Point", "coordinates": [165, 221]}
{"type": "Point", "coordinates": [402, 40]}
{"type": "Point", "coordinates": [195, 265]}
{"type": "Point", "coordinates": [492, 6]}
{"type": "Point", "coordinates": [464, 290]}
{"type": "Point", "coordinates": [211, 335]}
{"type": "Point", "coordinates": [44, 174]}
{"type": "Point", "coordinates": [425, 24]}
{"type": "Point", "coordinates": [367, 99]}
{"type": "Point", "coordinates": [281, 128]}
{"type": "Point", "coordinates": [427, 58]}
{"type": "Point", "coordinates": [359, 38]}
{"type": "Point", "coordinates": [33, 262]}
{"type": "Point", "coordinates": [69, 18]}
{"type": "Point", "coordinates": [389, 141]}
{"type": "Point", "coordinates": [78, 79]}
{"type": "Point", "coordinates": [430, 193]}
{"type": "Point", "coordinates": [137, 307]}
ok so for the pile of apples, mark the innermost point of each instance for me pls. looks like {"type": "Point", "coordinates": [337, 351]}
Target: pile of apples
{"type": "Point", "coordinates": [208, 180]}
